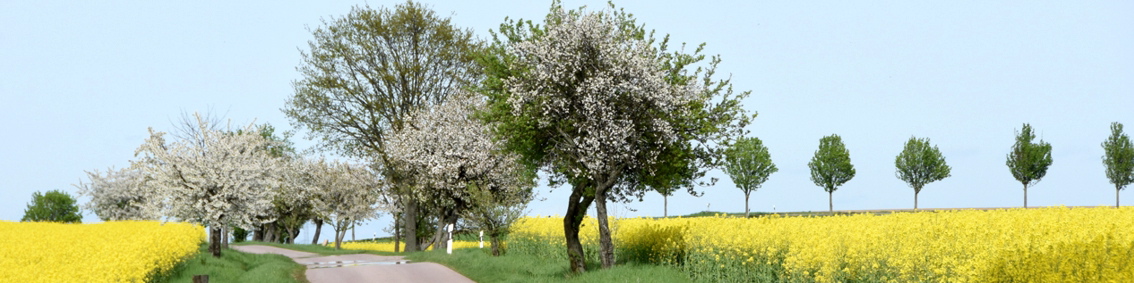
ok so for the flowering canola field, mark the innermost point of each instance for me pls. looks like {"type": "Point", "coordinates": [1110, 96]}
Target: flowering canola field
{"type": "Point", "coordinates": [127, 251]}
{"type": "Point", "coordinates": [389, 246]}
{"type": "Point", "coordinates": [1056, 244]}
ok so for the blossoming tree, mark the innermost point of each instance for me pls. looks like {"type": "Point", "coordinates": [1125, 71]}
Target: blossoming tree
{"type": "Point", "coordinates": [122, 194]}
{"type": "Point", "coordinates": [590, 98]}
{"type": "Point", "coordinates": [216, 178]}
{"type": "Point", "coordinates": [345, 194]}
{"type": "Point", "coordinates": [459, 165]}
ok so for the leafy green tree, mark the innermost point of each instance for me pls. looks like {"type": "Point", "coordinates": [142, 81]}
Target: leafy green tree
{"type": "Point", "coordinates": [920, 164]}
{"type": "Point", "coordinates": [749, 164]}
{"type": "Point", "coordinates": [831, 166]}
{"type": "Point", "coordinates": [592, 100]}
{"type": "Point", "coordinates": [366, 71]}
{"type": "Point", "coordinates": [53, 206]}
{"type": "Point", "coordinates": [1119, 159]}
{"type": "Point", "coordinates": [1028, 161]}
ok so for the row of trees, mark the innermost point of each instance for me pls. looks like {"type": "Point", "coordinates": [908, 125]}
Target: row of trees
{"type": "Point", "coordinates": [749, 164]}
{"type": "Point", "coordinates": [227, 178]}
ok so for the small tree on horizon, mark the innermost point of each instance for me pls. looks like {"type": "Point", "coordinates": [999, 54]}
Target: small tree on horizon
{"type": "Point", "coordinates": [53, 206]}
{"type": "Point", "coordinates": [831, 167]}
{"type": "Point", "coordinates": [920, 164]}
{"type": "Point", "coordinates": [1029, 161]}
{"type": "Point", "coordinates": [1119, 159]}
{"type": "Point", "coordinates": [749, 164]}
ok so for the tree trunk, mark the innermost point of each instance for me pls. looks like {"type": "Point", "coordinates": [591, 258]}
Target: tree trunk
{"type": "Point", "coordinates": [258, 235]}
{"type": "Point", "coordinates": [495, 244]}
{"type": "Point", "coordinates": [576, 210]}
{"type": "Point", "coordinates": [318, 228]}
{"type": "Point", "coordinates": [606, 245]}
{"type": "Point", "coordinates": [1116, 190]}
{"type": "Point", "coordinates": [352, 232]}
{"type": "Point", "coordinates": [665, 205]}
{"type": "Point", "coordinates": [915, 199]}
{"type": "Point", "coordinates": [1025, 195]}
{"type": "Point", "coordinates": [831, 201]}
{"type": "Point", "coordinates": [746, 211]}
{"type": "Point", "coordinates": [397, 231]}
{"type": "Point", "coordinates": [224, 236]}
{"type": "Point", "coordinates": [409, 221]}
{"type": "Point", "coordinates": [340, 233]}
{"type": "Point", "coordinates": [215, 241]}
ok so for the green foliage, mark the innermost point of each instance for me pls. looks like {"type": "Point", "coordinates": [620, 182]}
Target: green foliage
{"type": "Point", "coordinates": [1119, 158]}
{"type": "Point", "coordinates": [831, 166]}
{"type": "Point", "coordinates": [1028, 161]}
{"type": "Point", "coordinates": [749, 164]}
{"type": "Point", "coordinates": [237, 266]}
{"type": "Point", "coordinates": [53, 206]}
{"type": "Point", "coordinates": [919, 164]}
{"type": "Point", "coordinates": [364, 72]}
{"type": "Point", "coordinates": [239, 235]}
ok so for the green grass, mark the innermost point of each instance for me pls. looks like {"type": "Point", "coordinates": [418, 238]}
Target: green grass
{"type": "Point", "coordinates": [478, 265]}
{"type": "Point", "coordinates": [236, 266]}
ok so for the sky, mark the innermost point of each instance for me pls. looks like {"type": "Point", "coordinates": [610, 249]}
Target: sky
{"type": "Point", "coordinates": [81, 82]}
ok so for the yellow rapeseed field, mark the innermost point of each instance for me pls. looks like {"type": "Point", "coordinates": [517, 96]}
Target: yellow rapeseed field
{"type": "Point", "coordinates": [1056, 244]}
{"type": "Point", "coordinates": [126, 251]}
{"type": "Point", "coordinates": [389, 246]}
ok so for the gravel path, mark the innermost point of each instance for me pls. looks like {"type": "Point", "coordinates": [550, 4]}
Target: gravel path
{"type": "Point", "coordinates": [362, 267]}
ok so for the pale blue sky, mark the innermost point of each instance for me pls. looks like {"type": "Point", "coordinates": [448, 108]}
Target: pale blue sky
{"type": "Point", "coordinates": [80, 83]}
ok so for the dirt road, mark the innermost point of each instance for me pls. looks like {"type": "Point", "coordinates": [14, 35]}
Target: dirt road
{"type": "Point", "coordinates": [362, 267]}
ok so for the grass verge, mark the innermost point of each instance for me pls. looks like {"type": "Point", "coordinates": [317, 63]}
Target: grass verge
{"type": "Point", "coordinates": [236, 266]}
{"type": "Point", "coordinates": [480, 266]}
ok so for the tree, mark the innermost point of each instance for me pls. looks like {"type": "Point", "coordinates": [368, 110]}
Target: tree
{"type": "Point", "coordinates": [749, 164]}
{"type": "Point", "coordinates": [590, 100]}
{"type": "Point", "coordinates": [346, 194]}
{"type": "Point", "coordinates": [217, 178]}
{"type": "Point", "coordinates": [1119, 159]}
{"type": "Point", "coordinates": [456, 158]}
{"type": "Point", "coordinates": [919, 164]}
{"type": "Point", "coordinates": [1028, 161]}
{"type": "Point", "coordinates": [53, 206]}
{"type": "Point", "coordinates": [831, 166]}
{"type": "Point", "coordinates": [122, 195]}
{"type": "Point", "coordinates": [364, 72]}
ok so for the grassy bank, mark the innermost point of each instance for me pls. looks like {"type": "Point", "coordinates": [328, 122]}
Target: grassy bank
{"type": "Point", "coordinates": [236, 266]}
{"type": "Point", "coordinates": [478, 265]}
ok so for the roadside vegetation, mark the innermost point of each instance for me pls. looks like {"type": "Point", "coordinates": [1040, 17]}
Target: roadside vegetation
{"type": "Point", "coordinates": [236, 266]}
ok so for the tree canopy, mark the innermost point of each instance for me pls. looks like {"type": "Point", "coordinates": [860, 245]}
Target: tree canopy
{"type": "Point", "coordinates": [591, 99]}
{"type": "Point", "coordinates": [363, 73]}
{"type": "Point", "coordinates": [831, 166]}
{"type": "Point", "coordinates": [1118, 159]}
{"type": "Point", "coordinates": [919, 164]}
{"type": "Point", "coordinates": [749, 165]}
{"type": "Point", "coordinates": [53, 206]}
{"type": "Point", "coordinates": [1028, 161]}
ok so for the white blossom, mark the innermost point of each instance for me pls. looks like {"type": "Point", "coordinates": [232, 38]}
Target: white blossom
{"type": "Point", "coordinates": [122, 195]}
{"type": "Point", "coordinates": [602, 95]}
{"type": "Point", "coordinates": [452, 154]}
{"type": "Point", "coordinates": [216, 178]}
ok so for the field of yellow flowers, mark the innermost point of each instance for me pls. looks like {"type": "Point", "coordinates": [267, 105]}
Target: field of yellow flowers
{"type": "Point", "coordinates": [127, 251]}
{"type": "Point", "coordinates": [1056, 244]}
{"type": "Point", "coordinates": [389, 246]}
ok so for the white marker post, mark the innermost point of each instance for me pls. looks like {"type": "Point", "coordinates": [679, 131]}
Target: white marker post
{"type": "Point", "coordinates": [449, 246]}
{"type": "Point", "coordinates": [482, 239]}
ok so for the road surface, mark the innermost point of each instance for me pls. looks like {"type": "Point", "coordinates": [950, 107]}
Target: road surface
{"type": "Point", "coordinates": [359, 268]}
